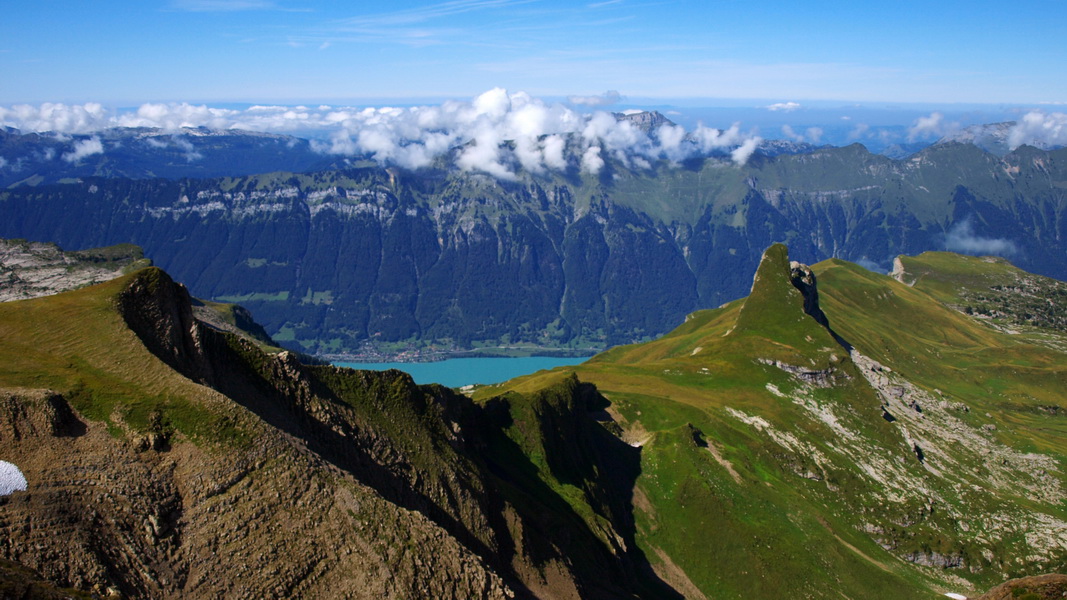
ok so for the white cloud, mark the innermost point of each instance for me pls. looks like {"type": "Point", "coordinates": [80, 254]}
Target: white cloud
{"type": "Point", "coordinates": [173, 117]}
{"type": "Point", "coordinates": [811, 134]}
{"type": "Point", "coordinates": [1040, 129]}
{"type": "Point", "coordinates": [552, 149]}
{"type": "Point", "coordinates": [933, 126]}
{"type": "Point", "coordinates": [709, 139]}
{"type": "Point", "coordinates": [191, 155]}
{"type": "Point", "coordinates": [497, 132]}
{"type": "Point", "coordinates": [858, 131]}
{"type": "Point", "coordinates": [789, 134]}
{"type": "Point", "coordinates": [591, 161]}
{"type": "Point", "coordinates": [186, 146]}
{"type": "Point", "coordinates": [961, 238]}
{"type": "Point", "coordinates": [784, 106]}
{"type": "Point", "coordinates": [870, 265]}
{"type": "Point", "coordinates": [606, 99]}
{"type": "Point", "coordinates": [50, 116]}
{"type": "Point", "coordinates": [84, 148]}
{"type": "Point", "coordinates": [741, 154]}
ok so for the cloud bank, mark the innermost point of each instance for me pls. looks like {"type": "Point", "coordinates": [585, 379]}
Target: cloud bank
{"type": "Point", "coordinates": [1036, 128]}
{"type": "Point", "coordinates": [497, 132]}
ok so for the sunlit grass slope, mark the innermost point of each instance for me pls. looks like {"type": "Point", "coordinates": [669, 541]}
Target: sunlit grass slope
{"type": "Point", "coordinates": [775, 464]}
{"type": "Point", "coordinates": [77, 344]}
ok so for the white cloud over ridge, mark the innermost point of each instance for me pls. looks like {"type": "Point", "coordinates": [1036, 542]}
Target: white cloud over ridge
{"type": "Point", "coordinates": [961, 238]}
{"type": "Point", "coordinates": [84, 148]}
{"type": "Point", "coordinates": [932, 126]}
{"type": "Point", "coordinates": [58, 117]}
{"type": "Point", "coordinates": [1040, 129]}
{"type": "Point", "coordinates": [497, 132]}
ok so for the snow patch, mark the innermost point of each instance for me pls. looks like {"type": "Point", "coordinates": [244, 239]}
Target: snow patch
{"type": "Point", "coordinates": [11, 479]}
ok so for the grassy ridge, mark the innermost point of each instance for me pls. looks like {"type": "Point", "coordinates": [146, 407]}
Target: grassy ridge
{"type": "Point", "coordinates": [77, 344]}
{"type": "Point", "coordinates": [758, 457]}
{"type": "Point", "coordinates": [755, 483]}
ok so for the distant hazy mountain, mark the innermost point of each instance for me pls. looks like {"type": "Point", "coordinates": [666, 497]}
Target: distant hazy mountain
{"type": "Point", "coordinates": [904, 150]}
{"type": "Point", "coordinates": [992, 138]}
{"type": "Point", "coordinates": [645, 120]}
{"type": "Point", "coordinates": [776, 147]}
{"type": "Point", "coordinates": [141, 153]}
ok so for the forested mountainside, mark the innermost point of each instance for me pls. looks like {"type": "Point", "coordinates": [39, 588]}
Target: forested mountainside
{"type": "Point", "coordinates": [331, 260]}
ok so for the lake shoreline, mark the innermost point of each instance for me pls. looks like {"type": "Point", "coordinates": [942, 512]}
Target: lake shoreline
{"type": "Point", "coordinates": [465, 371]}
{"type": "Point", "coordinates": [430, 355]}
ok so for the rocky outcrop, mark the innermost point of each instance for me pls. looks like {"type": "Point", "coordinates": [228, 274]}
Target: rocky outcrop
{"type": "Point", "coordinates": [815, 377]}
{"type": "Point", "coordinates": [935, 559]}
{"type": "Point", "coordinates": [16, 581]}
{"type": "Point", "coordinates": [269, 521]}
{"type": "Point", "coordinates": [34, 269]}
{"type": "Point", "coordinates": [803, 278]}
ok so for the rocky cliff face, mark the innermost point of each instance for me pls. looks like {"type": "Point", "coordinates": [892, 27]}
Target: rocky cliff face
{"type": "Point", "coordinates": [330, 260]}
{"type": "Point", "coordinates": [212, 469]}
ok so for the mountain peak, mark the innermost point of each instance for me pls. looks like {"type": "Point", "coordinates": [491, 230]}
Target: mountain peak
{"type": "Point", "coordinates": [783, 304]}
{"type": "Point", "coordinates": [645, 120]}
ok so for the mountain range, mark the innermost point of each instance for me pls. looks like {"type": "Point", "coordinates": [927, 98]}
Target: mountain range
{"type": "Point", "coordinates": [835, 433]}
{"type": "Point", "coordinates": [365, 259]}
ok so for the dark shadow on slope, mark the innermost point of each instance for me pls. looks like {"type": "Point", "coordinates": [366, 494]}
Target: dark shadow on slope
{"type": "Point", "coordinates": [345, 416]}
{"type": "Point", "coordinates": [309, 404]}
{"type": "Point", "coordinates": [803, 279]}
{"type": "Point", "coordinates": [559, 425]}
{"type": "Point", "coordinates": [326, 420]}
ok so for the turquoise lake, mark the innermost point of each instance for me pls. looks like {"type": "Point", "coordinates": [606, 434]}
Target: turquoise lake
{"type": "Point", "coordinates": [457, 372]}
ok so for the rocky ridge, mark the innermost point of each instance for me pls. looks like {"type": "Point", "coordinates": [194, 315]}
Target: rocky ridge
{"type": "Point", "coordinates": [258, 476]}
{"type": "Point", "coordinates": [35, 269]}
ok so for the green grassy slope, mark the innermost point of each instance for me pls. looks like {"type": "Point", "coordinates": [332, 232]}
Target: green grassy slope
{"type": "Point", "coordinates": [77, 344]}
{"type": "Point", "coordinates": [774, 463]}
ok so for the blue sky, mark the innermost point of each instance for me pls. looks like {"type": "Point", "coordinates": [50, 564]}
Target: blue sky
{"type": "Point", "coordinates": [297, 51]}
